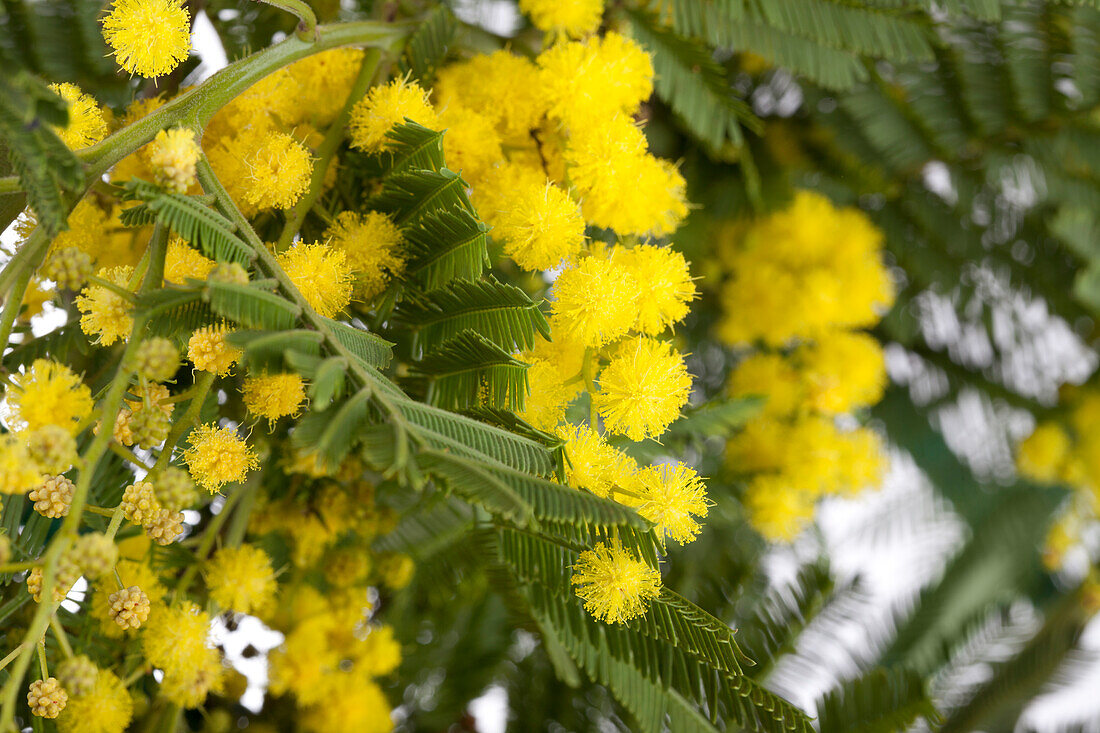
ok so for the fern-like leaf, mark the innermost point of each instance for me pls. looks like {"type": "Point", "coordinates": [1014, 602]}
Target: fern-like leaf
{"type": "Point", "coordinates": [880, 701]}
{"type": "Point", "coordinates": [445, 245]}
{"type": "Point", "coordinates": [410, 196]}
{"type": "Point", "coordinates": [469, 370]}
{"type": "Point", "coordinates": [428, 46]}
{"type": "Point", "coordinates": [250, 306]}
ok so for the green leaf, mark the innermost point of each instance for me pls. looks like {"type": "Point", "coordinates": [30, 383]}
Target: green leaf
{"type": "Point", "coordinates": [693, 84]}
{"type": "Point", "coordinates": [327, 382]}
{"type": "Point", "coordinates": [332, 433]}
{"type": "Point", "coordinates": [717, 418]}
{"type": "Point", "coordinates": [879, 701]}
{"type": "Point", "coordinates": [409, 197]}
{"type": "Point", "coordinates": [372, 349]}
{"type": "Point", "coordinates": [499, 312]}
{"type": "Point", "coordinates": [428, 46]}
{"type": "Point", "coordinates": [265, 350]}
{"type": "Point", "coordinates": [412, 147]}
{"type": "Point", "coordinates": [187, 216]}
{"type": "Point", "coordinates": [471, 370]}
{"type": "Point", "coordinates": [473, 483]}
{"type": "Point", "coordinates": [250, 306]}
{"type": "Point", "coordinates": [446, 245]}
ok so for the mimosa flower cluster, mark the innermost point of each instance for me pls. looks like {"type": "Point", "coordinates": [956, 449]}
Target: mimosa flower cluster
{"type": "Point", "coordinates": [802, 282]}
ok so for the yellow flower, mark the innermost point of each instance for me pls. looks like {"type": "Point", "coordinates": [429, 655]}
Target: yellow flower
{"type": "Point", "coordinates": [150, 37]}
{"type": "Point", "coordinates": [273, 395]}
{"type": "Point", "coordinates": [173, 155]}
{"type": "Point", "coordinates": [472, 145]}
{"type": "Point", "coordinates": [49, 394]}
{"type": "Point", "coordinates": [574, 18]}
{"type": "Point", "coordinates": [771, 376]}
{"type": "Point", "coordinates": [620, 185]}
{"type": "Point", "coordinates": [777, 510]}
{"type": "Point", "coordinates": [131, 572]}
{"type": "Point", "coordinates": [386, 106]}
{"type": "Point", "coordinates": [18, 474]}
{"type": "Point", "coordinates": [671, 496]}
{"type": "Point", "coordinates": [351, 703]}
{"type": "Point", "coordinates": [175, 637]}
{"type": "Point", "coordinates": [218, 456]}
{"type": "Point", "coordinates": [106, 315]}
{"type": "Point", "coordinates": [323, 83]}
{"type": "Point", "coordinates": [241, 579]}
{"type": "Point", "coordinates": [87, 125]}
{"type": "Point", "coordinates": [540, 226]}
{"type": "Point", "coordinates": [106, 709]}
{"type": "Point", "coordinates": [592, 463]}
{"type": "Point", "coordinates": [182, 261]}
{"type": "Point", "coordinates": [615, 586]}
{"type": "Point", "coordinates": [844, 371]}
{"type": "Point", "coordinates": [595, 302]}
{"type": "Point", "coordinates": [189, 687]}
{"type": "Point", "coordinates": [501, 85]}
{"type": "Point", "coordinates": [209, 350]}
{"type": "Point", "coordinates": [642, 388]}
{"type": "Point", "coordinates": [1042, 454]}
{"type": "Point", "coordinates": [277, 173]}
{"type": "Point", "coordinates": [545, 406]}
{"type": "Point", "coordinates": [321, 274]}
{"type": "Point", "coordinates": [665, 286]}
{"type": "Point", "coordinates": [372, 245]}
{"type": "Point", "coordinates": [589, 82]}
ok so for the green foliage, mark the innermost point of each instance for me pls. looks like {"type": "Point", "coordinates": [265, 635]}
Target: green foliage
{"type": "Point", "coordinates": [470, 370]}
{"type": "Point", "coordinates": [444, 246]}
{"type": "Point", "coordinates": [429, 44]}
{"type": "Point", "coordinates": [879, 701]}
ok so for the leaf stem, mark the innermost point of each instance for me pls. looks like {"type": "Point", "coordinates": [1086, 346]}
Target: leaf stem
{"type": "Point", "coordinates": [307, 20]}
{"type": "Point", "coordinates": [61, 636]}
{"type": "Point", "coordinates": [201, 388]}
{"type": "Point", "coordinates": [118, 290]}
{"type": "Point", "coordinates": [11, 306]}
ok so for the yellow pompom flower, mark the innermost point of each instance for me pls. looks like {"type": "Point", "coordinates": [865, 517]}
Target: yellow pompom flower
{"type": "Point", "coordinates": [665, 285]}
{"type": "Point", "coordinates": [18, 474]}
{"type": "Point", "coordinates": [106, 315]}
{"type": "Point", "coordinates": [209, 350]}
{"type": "Point", "coordinates": [776, 510]}
{"type": "Point", "coordinates": [472, 144]}
{"type": "Point", "coordinates": [372, 245]}
{"type": "Point", "coordinates": [1042, 454]}
{"type": "Point", "coordinates": [642, 389]}
{"type": "Point", "coordinates": [273, 395]}
{"type": "Point", "coordinates": [588, 82]}
{"type": "Point", "coordinates": [595, 302]}
{"type": "Point", "coordinates": [173, 155]}
{"type": "Point", "coordinates": [773, 377]}
{"type": "Point", "coordinates": [844, 371]}
{"type": "Point", "coordinates": [573, 18]}
{"type": "Point", "coordinates": [86, 126]}
{"type": "Point", "coordinates": [182, 261]}
{"type": "Point", "coordinates": [501, 85]}
{"type": "Point", "coordinates": [107, 708]}
{"type": "Point", "coordinates": [323, 83]}
{"type": "Point", "coordinates": [131, 572]}
{"type": "Point", "coordinates": [620, 185]}
{"type": "Point", "coordinates": [593, 464]}
{"type": "Point", "coordinates": [386, 106]}
{"type": "Point", "coordinates": [48, 394]}
{"type": "Point", "coordinates": [218, 456]}
{"type": "Point", "coordinates": [545, 406]}
{"type": "Point", "coordinates": [321, 274]}
{"type": "Point", "coordinates": [150, 37]}
{"type": "Point", "coordinates": [615, 586]}
{"type": "Point", "coordinates": [671, 496]}
{"type": "Point", "coordinates": [352, 703]}
{"type": "Point", "coordinates": [176, 636]}
{"type": "Point", "coordinates": [241, 579]}
{"type": "Point", "coordinates": [541, 226]}
{"type": "Point", "coordinates": [277, 173]}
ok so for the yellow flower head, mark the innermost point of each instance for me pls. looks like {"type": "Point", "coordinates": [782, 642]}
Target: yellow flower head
{"type": "Point", "coordinates": [277, 173]}
{"type": "Point", "coordinates": [175, 637]}
{"type": "Point", "coordinates": [189, 687]}
{"type": "Point", "coordinates": [273, 395]}
{"type": "Point", "coordinates": [541, 226]}
{"type": "Point", "coordinates": [622, 186]}
{"type": "Point", "coordinates": [150, 37]}
{"type": "Point", "coordinates": [18, 474]}
{"type": "Point", "coordinates": [1042, 454]}
{"type": "Point", "coordinates": [209, 350]}
{"type": "Point", "coordinates": [595, 302]}
{"type": "Point", "coordinates": [615, 586]}
{"type": "Point", "coordinates": [218, 456]}
{"type": "Point", "coordinates": [173, 155]}
{"type": "Point", "coordinates": [106, 315]}
{"type": "Point", "coordinates": [472, 144]}
{"type": "Point", "coordinates": [321, 274]}
{"type": "Point", "coordinates": [550, 395]}
{"type": "Point", "coordinates": [323, 84]}
{"type": "Point", "coordinates": [49, 394]}
{"type": "Point", "coordinates": [501, 85]}
{"type": "Point", "coordinates": [773, 377]}
{"type": "Point", "coordinates": [183, 261]}
{"type": "Point", "coordinates": [107, 708]}
{"type": "Point", "coordinates": [372, 245]}
{"type": "Point", "coordinates": [131, 572]}
{"type": "Point", "coordinates": [665, 285]}
{"type": "Point", "coordinates": [844, 371]}
{"type": "Point", "coordinates": [386, 106]}
{"type": "Point", "coordinates": [777, 510]}
{"type": "Point", "coordinates": [643, 388]}
{"type": "Point", "coordinates": [573, 18]}
{"type": "Point", "coordinates": [593, 464]}
{"type": "Point", "coordinates": [672, 496]}
{"type": "Point", "coordinates": [87, 125]}
{"type": "Point", "coordinates": [241, 579]}
{"type": "Point", "coordinates": [586, 82]}
{"type": "Point", "coordinates": [351, 703]}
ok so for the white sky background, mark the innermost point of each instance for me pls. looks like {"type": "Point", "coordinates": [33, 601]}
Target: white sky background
{"type": "Point", "coordinates": [893, 560]}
